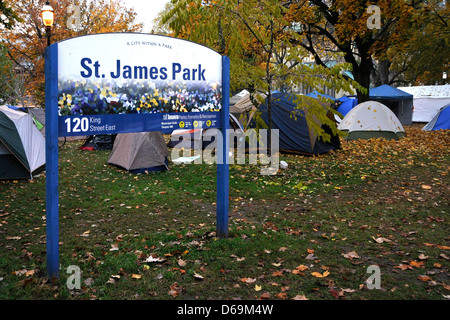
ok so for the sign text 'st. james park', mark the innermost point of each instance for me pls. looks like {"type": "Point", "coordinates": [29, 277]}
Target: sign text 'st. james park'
{"type": "Point", "coordinates": [127, 82]}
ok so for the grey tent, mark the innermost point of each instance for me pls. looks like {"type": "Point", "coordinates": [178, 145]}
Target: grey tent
{"type": "Point", "coordinates": [140, 152]}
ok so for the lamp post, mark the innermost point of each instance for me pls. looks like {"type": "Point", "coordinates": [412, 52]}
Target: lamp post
{"type": "Point", "coordinates": [47, 18]}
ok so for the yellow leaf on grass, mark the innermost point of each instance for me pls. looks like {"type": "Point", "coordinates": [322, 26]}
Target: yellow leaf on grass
{"type": "Point", "coordinates": [426, 187]}
{"type": "Point", "coordinates": [320, 275]}
{"type": "Point", "coordinates": [258, 288]}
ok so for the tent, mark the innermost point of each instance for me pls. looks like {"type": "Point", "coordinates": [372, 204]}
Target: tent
{"type": "Point", "coordinates": [22, 145]}
{"type": "Point", "coordinates": [428, 100]}
{"type": "Point", "coordinates": [243, 108]}
{"type": "Point", "coordinates": [317, 95]}
{"type": "Point", "coordinates": [400, 102]}
{"type": "Point", "coordinates": [441, 120]}
{"type": "Point", "coordinates": [296, 135]}
{"type": "Point", "coordinates": [346, 104]}
{"type": "Point", "coordinates": [140, 152]}
{"type": "Point", "coordinates": [371, 119]}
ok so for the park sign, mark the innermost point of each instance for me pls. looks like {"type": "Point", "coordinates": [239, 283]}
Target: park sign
{"type": "Point", "coordinates": [155, 83]}
{"type": "Point", "coordinates": [129, 82]}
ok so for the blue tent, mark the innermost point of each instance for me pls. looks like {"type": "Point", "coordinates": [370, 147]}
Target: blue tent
{"type": "Point", "coordinates": [346, 104]}
{"type": "Point", "coordinates": [296, 136]}
{"type": "Point", "coordinates": [441, 120]}
{"type": "Point", "coordinates": [316, 95]}
{"type": "Point", "coordinates": [400, 102]}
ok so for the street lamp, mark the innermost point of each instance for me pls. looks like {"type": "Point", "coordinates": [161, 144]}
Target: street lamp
{"type": "Point", "coordinates": [47, 18]}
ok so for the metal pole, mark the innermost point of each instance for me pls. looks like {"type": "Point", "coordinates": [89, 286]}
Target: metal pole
{"type": "Point", "coordinates": [223, 166]}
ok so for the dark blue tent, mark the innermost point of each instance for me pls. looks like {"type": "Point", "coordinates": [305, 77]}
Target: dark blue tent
{"type": "Point", "coordinates": [296, 136]}
{"type": "Point", "coordinates": [346, 104]}
{"type": "Point", "coordinates": [441, 120]}
{"type": "Point", "coordinates": [400, 102]}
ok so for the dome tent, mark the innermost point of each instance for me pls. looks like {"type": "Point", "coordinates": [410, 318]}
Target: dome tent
{"type": "Point", "coordinates": [296, 134]}
{"type": "Point", "coordinates": [441, 120]}
{"type": "Point", "coordinates": [371, 119]}
{"type": "Point", "coordinates": [22, 145]}
{"type": "Point", "coordinates": [140, 152]}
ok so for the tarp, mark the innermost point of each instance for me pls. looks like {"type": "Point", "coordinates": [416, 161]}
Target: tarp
{"type": "Point", "coordinates": [296, 135]}
{"type": "Point", "coordinates": [317, 95]}
{"type": "Point", "coordinates": [428, 100]}
{"type": "Point", "coordinates": [22, 145]}
{"type": "Point", "coordinates": [139, 152]}
{"type": "Point", "coordinates": [441, 120]}
{"type": "Point", "coordinates": [371, 119]}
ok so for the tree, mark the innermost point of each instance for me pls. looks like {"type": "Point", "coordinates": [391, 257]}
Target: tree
{"type": "Point", "coordinates": [7, 15]}
{"type": "Point", "coordinates": [262, 46]}
{"type": "Point", "coordinates": [26, 42]}
{"type": "Point", "coordinates": [346, 26]}
{"type": "Point", "coordinates": [423, 56]}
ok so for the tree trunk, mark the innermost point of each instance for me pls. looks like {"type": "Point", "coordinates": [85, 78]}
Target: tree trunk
{"type": "Point", "coordinates": [362, 76]}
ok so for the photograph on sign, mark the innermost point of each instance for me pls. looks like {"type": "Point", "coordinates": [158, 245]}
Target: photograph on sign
{"type": "Point", "coordinates": [136, 73]}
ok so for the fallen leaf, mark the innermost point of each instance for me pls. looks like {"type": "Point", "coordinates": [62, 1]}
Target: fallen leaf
{"type": "Point", "coordinates": [136, 276]}
{"type": "Point", "coordinates": [175, 290]}
{"type": "Point", "coordinates": [417, 264]}
{"type": "Point", "coordinates": [152, 259]}
{"type": "Point", "coordinates": [424, 278]}
{"type": "Point", "coordinates": [181, 263]}
{"type": "Point", "coordinates": [320, 275]}
{"type": "Point", "coordinates": [381, 240]}
{"type": "Point", "coordinates": [277, 274]}
{"type": "Point", "coordinates": [265, 295]}
{"type": "Point", "coordinates": [258, 288]}
{"type": "Point", "coordinates": [248, 280]}
{"type": "Point", "coordinates": [281, 295]}
{"type": "Point", "coordinates": [198, 276]}
{"type": "Point", "coordinates": [403, 267]}
{"type": "Point", "coordinates": [426, 187]}
{"type": "Point", "coordinates": [300, 297]}
{"type": "Point", "coordinates": [351, 255]}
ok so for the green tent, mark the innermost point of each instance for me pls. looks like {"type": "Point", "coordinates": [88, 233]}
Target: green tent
{"type": "Point", "coordinates": [22, 145]}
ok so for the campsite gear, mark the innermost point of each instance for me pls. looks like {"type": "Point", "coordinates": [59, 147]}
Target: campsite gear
{"type": "Point", "coordinates": [140, 152]}
{"type": "Point", "coordinates": [243, 108]}
{"type": "Point", "coordinates": [400, 102]}
{"type": "Point", "coordinates": [371, 119]}
{"type": "Point", "coordinates": [99, 142]}
{"type": "Point", "coordinates": [297, 135]}
{"type": "Point", "coordinates": [441, 120]}
{"type": "Point", "coordinates": [22, 145]}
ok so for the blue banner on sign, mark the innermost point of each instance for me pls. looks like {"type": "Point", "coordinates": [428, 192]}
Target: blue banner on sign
{"type": "Point", "coordinates": [126, 123]}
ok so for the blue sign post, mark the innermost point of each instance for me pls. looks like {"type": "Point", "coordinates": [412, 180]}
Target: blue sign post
{"type": "Point", "coordinates": [154, 83]}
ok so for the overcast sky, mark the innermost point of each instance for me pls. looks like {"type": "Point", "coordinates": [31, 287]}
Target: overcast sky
{"type": "Point", "coordinates": [146, 10]}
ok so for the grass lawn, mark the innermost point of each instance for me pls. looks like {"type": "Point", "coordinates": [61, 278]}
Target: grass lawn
{"type": "Point", "coordinates": [318, 230]}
